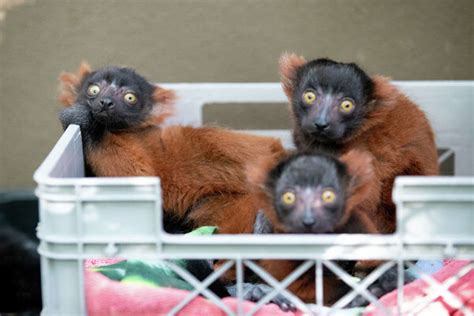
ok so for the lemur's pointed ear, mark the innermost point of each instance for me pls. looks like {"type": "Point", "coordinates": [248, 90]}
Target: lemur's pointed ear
{"type": "Point", "coordinates": [70, 83]}
{"type": "Point", "coordinates": [288, 65]}
{"type": "Point", "coordinates": [164, 104]}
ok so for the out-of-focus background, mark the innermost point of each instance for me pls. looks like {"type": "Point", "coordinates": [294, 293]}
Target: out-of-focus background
{"type": "Point", "coordinates": [207, 41]}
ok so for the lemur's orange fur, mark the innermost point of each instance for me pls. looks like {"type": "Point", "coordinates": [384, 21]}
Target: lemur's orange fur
{"type": "Point", "coordinates": [202, 170]}
{"type": "Point", "coordinates": [70, 82]}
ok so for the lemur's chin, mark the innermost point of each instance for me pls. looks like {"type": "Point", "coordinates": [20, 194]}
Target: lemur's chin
{"type": "Point", "coordinates": [326, 137]}
{"type": "Point", "coordinates": [102, 117]}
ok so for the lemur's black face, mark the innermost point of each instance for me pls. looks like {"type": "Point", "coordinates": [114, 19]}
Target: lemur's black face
{"type": "Point", "coordinates": [330, 99]}
{"type": "Point", "coordinates": [309, 193]}
{"type": "Point", "coordinates": [117, 97]}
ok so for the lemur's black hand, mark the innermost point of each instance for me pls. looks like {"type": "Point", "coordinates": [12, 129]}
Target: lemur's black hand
{"type": "Point", "coordinates": [78, 114]}
{"type": "Point", "coordinates": [255, 292]}
{"type": "Point", "coordinates": [385, 284]}
{"type": "Point", "coordinates": [262, 225]}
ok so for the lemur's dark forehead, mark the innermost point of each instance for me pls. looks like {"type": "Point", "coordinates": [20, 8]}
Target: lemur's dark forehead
{"type": "Point", "coordinates": [121, 77]}
{"type": "Point", "coordinates": [313, 171]}
{"type": "Point", "coordinates": [335, 78]}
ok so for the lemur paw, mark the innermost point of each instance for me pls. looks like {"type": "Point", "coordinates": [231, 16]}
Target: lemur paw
{"type": "Point", "coordinates": [255, 292]}
{"type": "Point", "coordinates": [385, 284]}
{"type": "Point", "coordinates": [77, 114]}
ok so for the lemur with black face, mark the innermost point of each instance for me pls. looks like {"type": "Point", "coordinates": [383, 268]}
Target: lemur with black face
{"type": "Point", "coordinates": [337, 107]}
{"type": "Point", "coordinates": [111, 99]}
{"type": "Point", "coordinates": [320, 194]}
{"type": "Point", "coordinates": [202, 170]}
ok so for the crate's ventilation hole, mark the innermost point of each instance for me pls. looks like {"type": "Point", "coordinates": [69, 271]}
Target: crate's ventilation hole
{"type": "Point", "coordinates": [111, 250]}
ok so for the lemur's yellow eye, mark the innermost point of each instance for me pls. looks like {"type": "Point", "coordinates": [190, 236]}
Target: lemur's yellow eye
{"type": "Point", "coordinates": [328, 196]}
{"type": "Point", "coordinates": [347, 106]}
{"type": "Point", "coordinates": [309, 97]}
{"type": "Point", "coordinates": [130, 98]}
{"type": "Point", "coordinates": [288, 198]}
{"type": "Point", "coordinates": [93, 90]}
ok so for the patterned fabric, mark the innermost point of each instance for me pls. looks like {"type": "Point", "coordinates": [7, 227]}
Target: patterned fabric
{"type": "Point", "coordinates": [416, 291]}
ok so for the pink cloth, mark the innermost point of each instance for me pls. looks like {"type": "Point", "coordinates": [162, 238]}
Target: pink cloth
{"type": "Point", "coordinates": [417, 290]}
{"type": "Point", "coordinates": [108, 297]}
{"type": "Point", "coordinates": [90, 263]}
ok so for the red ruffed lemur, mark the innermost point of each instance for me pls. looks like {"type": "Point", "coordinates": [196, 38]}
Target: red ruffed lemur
{"type": "Point", "coordinates": [202, 170]}
{"type": "Point", "coordinates": [320, 194]}
{"type": "Point", "coordinates": [337, 107]}
{"type": "Point", "coordinates": [316, 194]}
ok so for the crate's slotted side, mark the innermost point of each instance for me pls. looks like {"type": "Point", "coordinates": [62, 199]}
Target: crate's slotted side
{"type": "Point", "coordinates": [60, 285]}
{"type": "Point", "coordinates": [84, 218]}
{"type": "Point", "coordinates": [435, 207]}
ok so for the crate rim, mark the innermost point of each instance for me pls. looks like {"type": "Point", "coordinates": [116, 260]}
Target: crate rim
{"type": "Point", "coordinates": [43, 178]}
{"type": "Point", "coordinates": [246, 85]}
{"type": "Point", "coordinates": [434, 180]}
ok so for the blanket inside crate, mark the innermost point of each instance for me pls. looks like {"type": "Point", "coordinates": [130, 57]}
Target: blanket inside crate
{"type": "Point", "coordinates": [135, 287]}
{"type": "Point", "coordinates": [416, 293]}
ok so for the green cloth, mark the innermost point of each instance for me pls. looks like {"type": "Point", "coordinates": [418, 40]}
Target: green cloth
{"type": "Point", "coordinates": [153, 274]}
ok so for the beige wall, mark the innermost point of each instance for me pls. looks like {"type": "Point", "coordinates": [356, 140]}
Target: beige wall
{"type": "Point", "coordinates": [228, 40]}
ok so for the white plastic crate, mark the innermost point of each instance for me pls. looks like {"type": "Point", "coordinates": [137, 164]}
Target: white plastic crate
{"type": "Point", "coordinates": [96, 217]}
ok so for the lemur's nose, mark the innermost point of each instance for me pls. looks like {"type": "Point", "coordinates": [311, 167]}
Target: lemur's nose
{"type": "Point", "coordinates": [309, 221]}
{"type": "Point", "coordinates": [321, 126]}
{"type": "Point", "coordinates": [106, 103]}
